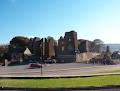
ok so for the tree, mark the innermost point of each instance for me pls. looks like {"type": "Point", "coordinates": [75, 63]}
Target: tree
{"type": "Point", "coordinates": [3, 50]}
{"type": "Point", "coordinates": [99, 45]}
{"type": "Point", "coordinates": [50, 38]}
{"type": "Point", "coordinates": [19, 41]}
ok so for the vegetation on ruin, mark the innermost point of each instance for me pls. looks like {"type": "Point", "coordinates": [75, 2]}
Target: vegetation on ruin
{"type": "Point", "coordinates": [19, 40]}
{"type": "Point", "coordinates": [62, 82]}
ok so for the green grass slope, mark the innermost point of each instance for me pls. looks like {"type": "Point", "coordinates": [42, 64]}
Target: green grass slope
{"type": "Point", "coordinates": [62, 82]}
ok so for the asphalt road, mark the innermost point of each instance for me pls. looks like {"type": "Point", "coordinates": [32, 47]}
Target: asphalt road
{"type": "Point", "coordinates": [49, 70]}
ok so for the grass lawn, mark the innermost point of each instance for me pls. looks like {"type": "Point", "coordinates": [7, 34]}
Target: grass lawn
{"type": "Point", "coordinates": [112, 71]}
{"type": "Point", "coordinates": [62, 82]}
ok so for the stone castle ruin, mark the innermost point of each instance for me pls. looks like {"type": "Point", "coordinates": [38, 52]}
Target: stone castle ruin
{"type": "Point", "coordinates": [70, 49]}
{"type": "Point", "coordinates": [67, 49]}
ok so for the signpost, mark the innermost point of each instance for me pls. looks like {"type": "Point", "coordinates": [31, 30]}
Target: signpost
{"type": "Point", "coordinates": [42, 53]}
{"type": "Point", "coordinates": [41, 70]}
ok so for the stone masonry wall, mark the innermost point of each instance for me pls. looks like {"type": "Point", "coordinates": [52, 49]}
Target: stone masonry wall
{"type": "Point", "coordinates": [85, 57]}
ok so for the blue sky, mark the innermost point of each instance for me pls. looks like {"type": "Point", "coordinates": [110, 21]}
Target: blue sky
{"type": "Point", "coordinates": [91, 19]}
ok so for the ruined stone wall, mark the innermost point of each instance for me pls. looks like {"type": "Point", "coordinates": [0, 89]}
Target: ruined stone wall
{"type": "Point", "coordinates": [85, 57]}
{"type": "Point", "coordinates": [82, 57]}
{"type": "Point", "coordinates": [61, 45]}
{"type": "Point", "coordinates": [51, 49]}
{"type": "Point", "coordinates": [66, 58]}
{"type": "Point", "coordinates": [70, 42]}
{"type": "Point", "coordinates": [85, 46]}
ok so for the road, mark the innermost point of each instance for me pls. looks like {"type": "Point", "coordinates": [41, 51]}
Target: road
{"type": "Point", "coordinates": [50, 70]}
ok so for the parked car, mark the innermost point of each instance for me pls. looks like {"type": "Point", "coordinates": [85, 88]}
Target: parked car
{"type": "Point", "coordinates": [35, 65]}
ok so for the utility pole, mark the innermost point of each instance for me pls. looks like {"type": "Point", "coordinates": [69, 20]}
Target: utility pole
{"type": "Point", "coordinates": [42, 54]}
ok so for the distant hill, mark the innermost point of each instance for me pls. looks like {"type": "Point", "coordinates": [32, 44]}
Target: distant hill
{"type": "Point", "coordinates": [114, 47]}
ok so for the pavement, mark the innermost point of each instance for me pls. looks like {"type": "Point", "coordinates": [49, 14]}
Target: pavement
{"type": "Point", "coordinates": [56, 70]}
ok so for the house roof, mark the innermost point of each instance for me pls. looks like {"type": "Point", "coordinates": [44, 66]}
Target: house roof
{"type": "Point", "coordinates": [27, 52]}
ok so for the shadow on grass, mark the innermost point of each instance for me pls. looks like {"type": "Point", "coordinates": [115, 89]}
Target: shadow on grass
{"type": "Point", "coordinates": [63, 89]}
